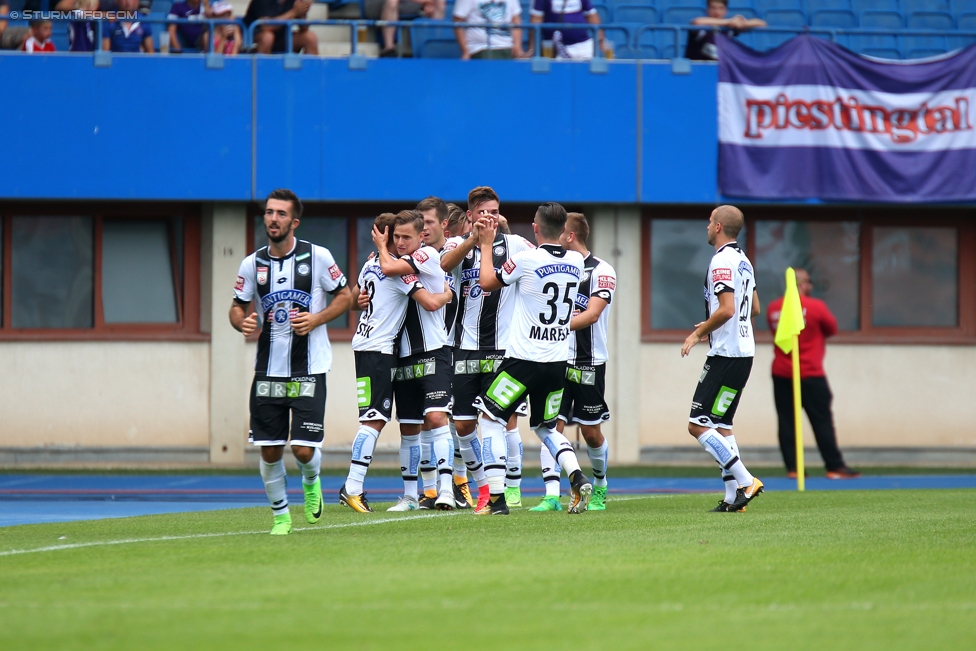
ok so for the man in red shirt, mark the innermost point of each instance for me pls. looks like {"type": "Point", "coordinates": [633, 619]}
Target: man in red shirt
{"type": "Point", "coordinates": [815, 391]}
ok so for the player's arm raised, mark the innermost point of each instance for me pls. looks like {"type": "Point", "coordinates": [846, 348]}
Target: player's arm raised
{"type": "Point", "coordinates": [388, 264]}
{"type": "Point", "coordinates": [725, 311]}
{"type": "Point", "coordinates": [590, 315]}
{"type": "Point", "coordinates": [451, 259]}
{"type": "Point", "coordinates": [488, 279]}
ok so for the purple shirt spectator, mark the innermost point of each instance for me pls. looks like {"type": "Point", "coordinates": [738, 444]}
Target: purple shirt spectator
{"type": "Point", "coordinates": [564, 11]}
{"type": "Point", "coordinates": [128, 39]}
{"type": "Point", "coordinates": [81, 35]}
{"type": "Point", "coordinates": [189, 34]}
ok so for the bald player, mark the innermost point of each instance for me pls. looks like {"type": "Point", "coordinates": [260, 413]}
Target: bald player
{"type": "Point", "coordinates": [731, 302]}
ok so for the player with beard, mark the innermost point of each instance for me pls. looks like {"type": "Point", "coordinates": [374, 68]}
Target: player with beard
{"type": "Point", "coordinates": [289, 279]}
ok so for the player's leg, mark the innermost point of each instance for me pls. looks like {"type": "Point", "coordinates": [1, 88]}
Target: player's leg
{"type": "Point", "coordinates": [713, 406]}
{"type": "Point", "coordinates": [590, 411]}
{"type": "Point", "coordinates": [513, 464]}
{"type": "Point", "coordinates": [466, 385]}
{"type": "Point", "coordinates": [462, 491]}
{"type": "Point", "coordinates": [433, 372]}
{"type": "Point", "coordinates": [374, 388]}
{"type": "Point", "coordinates": [307, 434]}
{"type": "Point", "coordinates": [546, 388]}
{"type": "Point", "coordinates": [269, 430]}
{"type": "Point", "coordinates": [428, 468]}
{"type": "Point", "coordinates": [410, 415]}
{"type": "Point", "coordinates": [550, 475]}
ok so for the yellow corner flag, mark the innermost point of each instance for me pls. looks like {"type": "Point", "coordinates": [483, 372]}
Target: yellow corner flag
{"type": "Point", "coordinates": [788, 339]}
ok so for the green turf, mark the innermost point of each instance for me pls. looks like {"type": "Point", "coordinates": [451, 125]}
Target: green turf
{"type": "Point", "coordinates": [824, 570]}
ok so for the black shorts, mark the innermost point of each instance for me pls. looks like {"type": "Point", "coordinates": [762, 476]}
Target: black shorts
{"type": "Point", "coordinates": [423, 384]}
{"type": "Point", "coordinates": [518, 380]}
{"type": "Point", "coordinates": [473, 373]}
{"type": "Point", "coordinates": [719, 389]}
{"type": "Point", "coordinates": [374, 385]}
{"type": "Point", "coordinates": [583, 401]}
{"type": "Point", "coordinates": [272, 398]}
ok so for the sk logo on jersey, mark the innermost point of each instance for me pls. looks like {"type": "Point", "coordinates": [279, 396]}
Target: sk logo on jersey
{"type": "Point", "coordinates": [303, 269]}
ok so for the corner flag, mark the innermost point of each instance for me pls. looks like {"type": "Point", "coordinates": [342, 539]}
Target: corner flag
{"type": "Point", "coordinates": [788, 339]}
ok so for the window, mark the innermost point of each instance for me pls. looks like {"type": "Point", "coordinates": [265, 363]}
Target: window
{"type": "Point", "coordinates": [888, 274]}
{"type": "Point", "coordinates": [106, 275]}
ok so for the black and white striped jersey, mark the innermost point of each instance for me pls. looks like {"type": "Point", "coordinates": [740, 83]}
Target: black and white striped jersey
{"type": "Point", "coordinates": [545, 282]}
{"type": "Point", "coordinates": [451, 309]}
{"type": "Point", "coordinates": [389, 296]}
{"type": "Point", "coordinates": [283, 288]}
{"type": "Point", "coordinates": [588, 346]}
{"type": "Point", "coordinates": [484, 318]}
{"type": "Point", "coordinates": [730, 271]}
{"type": "Point", "coordinates": [425, 331]}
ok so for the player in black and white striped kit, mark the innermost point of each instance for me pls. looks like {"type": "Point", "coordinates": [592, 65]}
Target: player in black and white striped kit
{"type": "Point", "coordinates": [480, 340]}
{"type": "Point", "coordinates": [534, 368]}
{"type": "Point", "coordinates": [586, 374]}
{"type": "Point", "coordinates": [423, 374]}
{"type": "Point", "coordinates": [289, 280]}
{"type": "Point", "coordinates": [385, 300]}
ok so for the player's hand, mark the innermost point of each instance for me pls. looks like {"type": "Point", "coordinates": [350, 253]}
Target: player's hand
{"type": "Point", "coordinates": [380, 238]}
{"type": "Point", "coordinates": [486, 230]}
{"type": "Point", "coordinates": [363, 300]}
{"type": "Point", "coordinates": [502, 224]}
{"type": "Point", "coordinates": [303, 323]}
{"type": "Point", "coordinates": [692, 341]}
{"type": "Point", "coordinates": [704, 337]}
{"type": "Point", "coordinates": [250, 324]}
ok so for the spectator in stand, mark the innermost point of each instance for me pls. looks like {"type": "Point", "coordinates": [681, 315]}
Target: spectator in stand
{"type": "Point", "coordinates": [11, 38]}
{"type": "Point", "coordinates": [701, 44]}
{"type": "Point", "coordinates": [814, 390]}
{"type": "Point", "coordinates": [81, 33]}
{"type": "Point", "coordinates": [493, 42]}
{"type": "Point", "coordinates": [271, 39]}
{"type": "Point", "coordinates": [128, 36]}
{"type": "Point", "coordinates": [186, 35]}
{"type": "Point", "coordinates": [227, 38]}
{"type": "Point", "coordinates": [400, 10]}
{"type": "Point", "coordinates": [40, 38]}
{"type": "Point", "coordinates": [571, 43]}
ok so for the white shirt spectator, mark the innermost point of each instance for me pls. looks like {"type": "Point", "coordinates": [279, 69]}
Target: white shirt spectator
{"type": "Point", "coordinates": [487, 12]}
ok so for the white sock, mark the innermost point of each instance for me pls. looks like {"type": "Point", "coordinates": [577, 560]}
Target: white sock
{"type": "Point", "coordinates": [428, 471]}
{"type": "Point", "coordinates": [460, 470]}
{"type": "Point", "coordinates": [471, 453]}
{"type": "Point", "coordinates": [362, 456]}
{"type": "Point", "coordinates": [409, 462]}
{"type": "Point", "coordinates": [731, 485]}
{"type": "Point", "coordinates": [310, 470]}
{"type": "Point", "coordinates": [444, 458]}
{"type": "Point", "coordinates": [560, 448]}
{"type": "Point", "coordinates": [513, 467]}
{"type": "Point", "coordinates": [495, 449]}
{"type": "Point", "coordinates": [550, 472]}
{"type": "Point", "coordinates": [598, 461]}
{"type": "Point", "coordinates": [276, 485]}
{"type": "Point", "coordinates": [720, 449]}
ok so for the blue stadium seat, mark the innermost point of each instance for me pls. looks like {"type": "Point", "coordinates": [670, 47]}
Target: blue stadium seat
{"type": "Point", "coordinates": [620, 36]}
{"type": "Point", "coordinates": [840, 18]}
{"type": "Point", "coordinates": [660, 41]}
{"type": "Point", "coordinates": [680, 15]}
{"type": "Point", "coordinates": [918, 47]}
{"type": "Point", "coordinates": [959, 42]}
{"type": "Point", "coordinates": [161, 7]}
{"type": "Point", "coordinates": [909, 7]}
{"type": "Point", "coordinates": [814, 6]}
{"type": "Point", "coordinates": [603, 11]}
{"type": "Point", "coordinates": [766, 5]}
{"type": "Point", "coordinates": [876, 45]}
{"type": "Point", "coordinates": [762, 40]}
{"type": "Point", "coordinates": [59, 36]}
{"type": "Point", "coordinates": [967, 22]}
{"type": "Point", "coordinates": [785, 17]}
{"type": "Point", "coordinates": [962, 7]}
{"type": "Point", "coordinates": [635, 13]}
{"type": "Point", "coordinates": [744, 11]}
{"type": "Point", "coordinates": [438, 34]}
{"type": "Point", "coordinates": [930, 20]}
{"type": "Point", "coordinates": [882, 19]}
{"type": "Point", "coordinates": [876, 5]}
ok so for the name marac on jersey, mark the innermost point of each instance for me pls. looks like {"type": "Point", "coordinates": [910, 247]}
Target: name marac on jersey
{"type": "Point", "coordinates": [553, 333]}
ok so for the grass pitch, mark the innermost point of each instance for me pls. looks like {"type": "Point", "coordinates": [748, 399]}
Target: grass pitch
{"type": "Point", "coordinates": [825, 570]}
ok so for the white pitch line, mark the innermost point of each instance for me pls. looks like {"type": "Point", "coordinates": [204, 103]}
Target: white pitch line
{"type": "Point", "coordinates": [128, 541]}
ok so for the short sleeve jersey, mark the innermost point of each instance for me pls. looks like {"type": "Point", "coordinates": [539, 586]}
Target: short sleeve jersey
{"type": "Point", "coordinates": [451, 312]}
{"type": "Point", "coordinates": [545, 282]}
{"type": "Point", "coordinates": [485, 318]}
{"type": "Point", "coordinates": [128, 38]}
{"type": "Point", "coordinates": [423, 330]}
{"type": "Point", "coordinates": [283, 288]}
{"type": "Point", "coordinates": [731, 271]}
{"type": "Point", "coordinates": [588, 346]}
{"type": "Point", "coordinates": [487, 12]}
{"type": "Point", "coordinates": [380, 323]}
{"type": "Point", "coordinates": [189, 33]}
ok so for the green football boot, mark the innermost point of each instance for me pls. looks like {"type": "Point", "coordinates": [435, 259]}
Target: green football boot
{"type": "Point", "coordinates": [548, 503]}
{"type": "Point", "coordinates": [282, 524]}
{"type": "Point", "coordinates": [513, 497]}
{"type": "Point", "coordinates": [313, 500]}
{"type": "Point", "coordinates": [599, 500]}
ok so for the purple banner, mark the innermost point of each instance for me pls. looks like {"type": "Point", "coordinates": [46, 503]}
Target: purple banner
{"type": "Point", "coordinates": [812, 120]}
